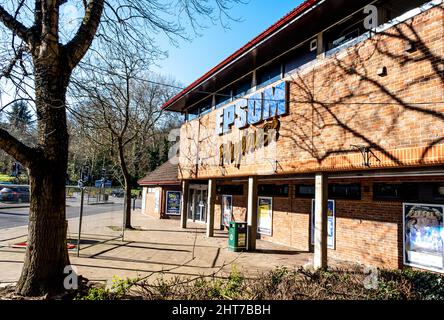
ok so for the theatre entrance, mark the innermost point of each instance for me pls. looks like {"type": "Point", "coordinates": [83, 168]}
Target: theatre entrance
{"type": "Point", "coordinates": [197, 210]}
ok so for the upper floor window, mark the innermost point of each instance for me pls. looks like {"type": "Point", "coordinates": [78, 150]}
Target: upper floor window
{"type": "Point", "coordinates": [299, 56]}
{"type": "Point", "coordinates": [242, 87]}
{"type": "Point", "coordinates": [268, 74]}
{"type": "Point", "coordinates": [192, 113]}
{"type": "Point", "coordinates": [223, 97]}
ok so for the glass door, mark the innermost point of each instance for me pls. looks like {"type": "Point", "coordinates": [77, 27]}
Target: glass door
{"type": "Point", "coordinates": [202, 203]}
{"type": "Point", "coordinates": [198, 203]}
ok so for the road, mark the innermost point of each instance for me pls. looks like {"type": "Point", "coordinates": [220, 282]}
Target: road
{"type": "Point", "coordinates": [15, 217]}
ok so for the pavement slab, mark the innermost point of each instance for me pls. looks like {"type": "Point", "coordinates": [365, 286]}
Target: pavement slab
{"type": "Point", "coordinates": [156, 248]}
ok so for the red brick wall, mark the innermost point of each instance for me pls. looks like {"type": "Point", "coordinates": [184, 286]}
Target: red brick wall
{"type": "Point", "coordinates": [352, 105]}
{"type": "Point", "coordinates": [366, 231]}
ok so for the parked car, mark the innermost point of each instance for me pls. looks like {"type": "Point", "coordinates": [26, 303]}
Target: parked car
{"type": "Point", "coordinates": [15, 194]}
{"type": "Point", "coordinates": [118, 193]}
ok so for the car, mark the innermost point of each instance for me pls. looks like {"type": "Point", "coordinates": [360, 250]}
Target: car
{"type": "Point", "coordinates": [118, 193]}
{"type": "Point", "coordinates": [15, 194]}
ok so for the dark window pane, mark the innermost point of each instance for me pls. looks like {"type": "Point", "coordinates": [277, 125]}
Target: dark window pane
{"type": "Point", "coordinates": [272, 190]}
{"type": "Point", "coordinates": [230, 189]}
{"type": "Point", "coordinates": [223, 97]}
{"type": "Point", "coordinates": [344, 191]}
{"type": "Point", "coordinates": [242, 87]}
{"type": "Point", "coordinates": [298, 57]}
{"type": "Point", "coordinates": [307, 191]}
{"type": "Point", "coordinates": [386, 191]}
{"type": "Point", "coordinates": [268, 74]}
{"type": "Point", "coordinates": [193, 113]}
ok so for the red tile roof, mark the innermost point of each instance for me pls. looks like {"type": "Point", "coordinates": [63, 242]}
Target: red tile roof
{"type": "Point", "coordinates": [287, 18]}
{"type": "Point", "coordinates": [166, 174]}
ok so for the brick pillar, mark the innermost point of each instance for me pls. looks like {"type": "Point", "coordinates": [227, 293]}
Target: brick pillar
{"type": "Point", "coordinates": [252, 214]}
{"type": "Point", "coordinates": [184, 204]}
{"type": "Point", "coordinates": [320, 232]}
{"type": "Point", "coordinates": [210, 207]}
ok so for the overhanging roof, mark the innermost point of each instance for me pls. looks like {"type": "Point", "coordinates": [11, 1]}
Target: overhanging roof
{"type": "Point", "coordinates": [305, 21]}
{"type": "Point", "coordinates": [166, 174]}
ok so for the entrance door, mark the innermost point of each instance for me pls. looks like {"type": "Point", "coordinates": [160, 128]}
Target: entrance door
{"type": "Point", "coordinates": [198, 203]}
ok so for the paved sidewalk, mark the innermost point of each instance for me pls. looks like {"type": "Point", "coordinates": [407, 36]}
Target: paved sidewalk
{"type": "Point", "coordinates": [156, 247]}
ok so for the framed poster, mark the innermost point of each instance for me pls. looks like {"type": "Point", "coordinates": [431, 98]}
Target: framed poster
{"type": "Point", "coordinates": [173, 202]}
{"type": "Point", "coordinates": [331, 214]}
{"type": "Point", "coordinates": [265, 215]}
{"type": "Point", "coordinates": [227, 210]}
{"type": "Point", "coordinates": [423, 236]}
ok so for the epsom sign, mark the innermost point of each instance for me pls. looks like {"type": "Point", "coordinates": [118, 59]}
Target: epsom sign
{"type": "Point", "coordinates": [258, 107]}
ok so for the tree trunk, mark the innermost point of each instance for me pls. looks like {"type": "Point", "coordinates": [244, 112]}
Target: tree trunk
{"type": "Point", "coordinates": [126, 177]}
{"type": "Point", "coordinates": [46, 252]}
{"type": "Point", "coordinates": [127, 205]}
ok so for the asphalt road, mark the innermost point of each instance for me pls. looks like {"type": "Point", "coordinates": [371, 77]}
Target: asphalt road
{"type": "Point", "coordinates": [15, 217]}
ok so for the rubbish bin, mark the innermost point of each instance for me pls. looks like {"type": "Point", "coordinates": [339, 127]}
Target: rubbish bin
{"type": "Point", "coordinates": [237, 236]}
{"type": "Point", "coordinates": [105, 197]}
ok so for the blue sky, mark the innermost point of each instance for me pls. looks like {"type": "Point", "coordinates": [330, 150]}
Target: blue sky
{"type": "Point", "coordinates": [192, 59]}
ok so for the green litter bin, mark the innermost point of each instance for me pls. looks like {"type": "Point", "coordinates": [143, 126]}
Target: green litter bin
{"type": "Point", "coordinates": [237, 236]}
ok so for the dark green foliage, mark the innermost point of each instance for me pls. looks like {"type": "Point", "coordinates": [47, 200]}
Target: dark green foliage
{"type": "Point", "coordinates": [285, 284]}
{"type": "Point", "coordinates": [20, 116]}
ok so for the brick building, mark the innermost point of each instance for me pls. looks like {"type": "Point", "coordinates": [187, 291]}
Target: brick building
{"type": "Point", "coordinates": [161, 192]}
{"type": "Point", "coordinates": [326, 133]}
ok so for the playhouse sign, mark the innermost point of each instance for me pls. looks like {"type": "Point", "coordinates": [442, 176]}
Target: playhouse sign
{"type": "Point", "coordinates": [254, 109]}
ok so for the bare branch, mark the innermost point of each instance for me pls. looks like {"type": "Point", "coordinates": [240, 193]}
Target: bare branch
{"type": "Point", "coordinates": [14, 25]}
{"type": "Point", "coordinates": [79, 45]}
{"type": "Point", "coordinates": [16, 149]}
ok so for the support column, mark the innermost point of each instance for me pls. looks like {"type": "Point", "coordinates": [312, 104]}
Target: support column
{"type": "Point", "coordinates": [210, 207]}
{"type": "Point", "coordinates": [320, 231]}
{"type": "Point", "coordinates": [184, 204]}
{"type": "Point", "coordinates": [252, 214]}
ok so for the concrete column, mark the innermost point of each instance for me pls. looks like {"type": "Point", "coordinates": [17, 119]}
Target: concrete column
{"type": "Point", "coordinates": [144, 192]}
{"type": "Point", "coordinates": [320, 231]}
{"type": "Point", "coordinates": [252, 214]}
{"type": "Point", "coordinates": [320, 52]}
{"type": "Point", "coordinates": [210, 207]}
{"type": "Point", "coordinates": [184, 204]}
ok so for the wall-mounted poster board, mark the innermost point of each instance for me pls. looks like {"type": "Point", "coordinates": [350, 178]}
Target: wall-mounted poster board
{"type": "Point", "coordinates": [265, 215]}
{"type": "Point", "coordinates": [227, 209]}
{"type": "Point", "coordinates": [173, 202]}
{"type": "Point", "coordinates": [424, 236]}
{"type": "Point", "coordinates": [331, 214]}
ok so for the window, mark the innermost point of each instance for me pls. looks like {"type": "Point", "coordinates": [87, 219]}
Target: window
{"type": "Point", "coordinates": [305, 190]}
{"type": "Point", "coordinates": [425, 192]}
{"type": "Point", "coordinates": [223, 97]}
{"type": "Point", "coordinates": [205, 106]}
{"type": "Point", "coordinates": [200, 109]}
{"type": "Point", "coordinates": [345, 31]}
{"type": "Point", "coordinates": [298, 57]}
{"type": "Point", "coordinates": [192, 113]}
{"type": "Point", "coordinates": [242, 87]}
{"type": "Point", "coordinates": [350, 191]}
{"type": "Point", "coordinates": [230, 189]}
{"type": "Point", "coordinates": [386, 191]}
{"type": "Point", "coordinates": [268, 74]}
{"type": "Point", "coordinates": [272, 190]}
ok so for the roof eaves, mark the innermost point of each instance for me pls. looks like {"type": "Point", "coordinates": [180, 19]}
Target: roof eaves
{"type": "Point", "coordinates": [275, 27]}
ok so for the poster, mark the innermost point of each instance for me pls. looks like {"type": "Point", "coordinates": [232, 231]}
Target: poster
{"type": "Point", "coordinates": [227, 210]}
{"type": "Point", "coordinates": [423, 235]}
{"type": "Point", "coordinates": [330, 223]}
{"type": "Point", "coordinates": [173, 202]}
{"type": "Point", "coordinates": [265, 215]}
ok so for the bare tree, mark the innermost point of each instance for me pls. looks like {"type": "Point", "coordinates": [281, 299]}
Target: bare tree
{"type": "Point", "coordinates": [39, 51]}
{"type": "Point", "coordinates": [116, 107]}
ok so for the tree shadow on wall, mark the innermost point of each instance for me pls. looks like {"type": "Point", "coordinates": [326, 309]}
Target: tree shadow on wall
{"type": "Point", "coordinates": [383, 93]}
